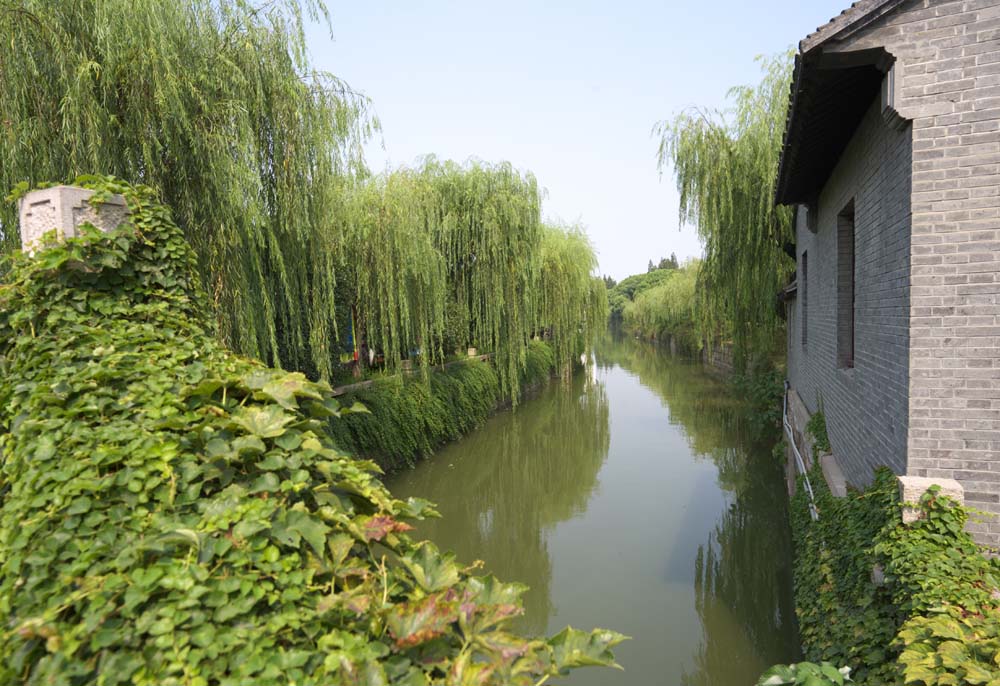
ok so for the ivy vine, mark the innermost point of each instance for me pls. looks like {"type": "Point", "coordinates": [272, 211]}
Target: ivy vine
{"type": "Point", "coordinates": [896, 603]}
{"type": "Point", "coordinates": [174, 514]}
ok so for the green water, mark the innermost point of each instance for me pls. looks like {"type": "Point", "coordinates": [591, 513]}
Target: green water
{"type": "Point", "coordinates": [635, 498]}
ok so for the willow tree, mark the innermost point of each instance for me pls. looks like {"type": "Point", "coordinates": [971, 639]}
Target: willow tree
{"type": "Point", "coordinates": [396, 272]}
{"type": "Point", "coordinates": [572, 304]}
{"type": "Point", "coordinates": [726, 164]}
{"type": "Point", "coordinates": [215, 103]}
{"type": "Point", "coordinates": [488, 229]}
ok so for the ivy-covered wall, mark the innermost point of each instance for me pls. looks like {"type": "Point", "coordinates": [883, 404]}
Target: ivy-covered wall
{"type": "Point", "coordinates": [171, 513]}
{"type": "Point", "coordinates": [896, 603]}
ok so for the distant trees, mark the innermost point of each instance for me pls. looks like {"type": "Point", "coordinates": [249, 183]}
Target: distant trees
{"type": "Point", "coordinates": [626, 290]}
{"type": "Point", "coordinates": [669, 262]}
{"type": "Point", "coordinates": [667, 307]}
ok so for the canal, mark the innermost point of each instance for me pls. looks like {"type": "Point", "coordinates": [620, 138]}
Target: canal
{"type": "Point", "coordinates": [637, 497]}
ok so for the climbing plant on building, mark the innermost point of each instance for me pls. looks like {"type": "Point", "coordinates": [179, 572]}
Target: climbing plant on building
{"type": "Point", "coordinates": [897, 603]}
{"type": "Point", "coordinates": [175, 513]}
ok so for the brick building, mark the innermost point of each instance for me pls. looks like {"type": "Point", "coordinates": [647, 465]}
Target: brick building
{"type": "Point", "coordinates": [892, 161]}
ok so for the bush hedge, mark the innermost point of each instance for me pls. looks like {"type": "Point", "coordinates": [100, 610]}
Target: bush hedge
{"type": "Point", "coordinates": [173, 514]}
{"type": "Point", "coordinates": [409, 417]}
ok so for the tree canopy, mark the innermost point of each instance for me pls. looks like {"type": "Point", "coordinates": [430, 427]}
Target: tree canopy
{"type": "Point", "coordinates": [725, 164]}
{"type": "Point", "coordinates": [444, 255]}
{"type": "Point", "coordinates": [214, 103]}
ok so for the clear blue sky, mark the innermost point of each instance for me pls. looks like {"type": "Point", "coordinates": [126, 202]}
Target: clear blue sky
{"type": "Point", "coordinates": [567, 90]}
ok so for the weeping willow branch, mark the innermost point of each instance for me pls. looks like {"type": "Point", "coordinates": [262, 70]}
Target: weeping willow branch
{"type": "Point", "coordinates": [446, 256]}
{"type": "Point", "coordinates": [206, 101]}
{"type": "Point", "coordinates": [571, 301]}
{"type": "Point", "coordinates": [725, 165]}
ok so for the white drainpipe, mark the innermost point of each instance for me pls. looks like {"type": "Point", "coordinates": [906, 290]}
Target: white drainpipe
{"type": "Point", "coordinates": [799, 462]}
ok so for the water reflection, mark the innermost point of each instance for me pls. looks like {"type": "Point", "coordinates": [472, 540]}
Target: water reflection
{"type": "Point", "coordinates": [510, 481]}
{"type": "Point", "coordinates": [743, 572]}
{"type": "Point", "coordinates": [636, 498]}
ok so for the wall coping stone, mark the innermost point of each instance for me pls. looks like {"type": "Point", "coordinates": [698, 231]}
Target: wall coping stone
{"type": "Point", "coordinates": [911, 488]}
{"type": "Point", "coordinates": [64, 209]}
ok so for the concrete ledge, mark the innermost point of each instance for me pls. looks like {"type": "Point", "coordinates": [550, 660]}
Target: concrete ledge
{"type": "Point", "coordinates": [833, 474]}
{"type": "Point", "coordinates": [912, 488]}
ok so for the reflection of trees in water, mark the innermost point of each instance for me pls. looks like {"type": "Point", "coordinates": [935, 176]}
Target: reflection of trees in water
{"type": "Point", "coordinates": [702, 404]}
{"type": "Point", "coordinates": [744, 572]}
{"type": "Point", "coordinates": [520, 474]}
{"type": "Point", "coordinates": [743, 580]}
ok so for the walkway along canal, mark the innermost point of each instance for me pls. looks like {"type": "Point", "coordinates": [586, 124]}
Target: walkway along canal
{"type": "Point", "coordinates": [637, 498]}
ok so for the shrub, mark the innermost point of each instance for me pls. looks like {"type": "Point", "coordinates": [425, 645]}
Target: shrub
{"type": "Point", "coordinates": [175, 514]}
{"type": "Point", "coordinates": [410, 417]}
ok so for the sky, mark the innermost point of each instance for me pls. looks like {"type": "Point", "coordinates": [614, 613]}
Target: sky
{"type": "Point", "coordinates": [569, 91]}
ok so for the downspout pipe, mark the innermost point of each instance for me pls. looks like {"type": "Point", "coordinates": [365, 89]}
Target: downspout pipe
{"type": "Point", "coordinates": [799, 462]}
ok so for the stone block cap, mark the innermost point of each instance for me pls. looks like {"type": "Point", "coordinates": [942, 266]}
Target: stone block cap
{"type": "Point", "coordinates": [911, 488]}
{"type": "Point", "coordinates": [64, 209]}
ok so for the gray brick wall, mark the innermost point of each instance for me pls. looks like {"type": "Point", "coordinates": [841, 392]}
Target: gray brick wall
{"type": "Point", "coordinates": [948, 85]}
{"type": "Point", "coordinates": [865, 407]}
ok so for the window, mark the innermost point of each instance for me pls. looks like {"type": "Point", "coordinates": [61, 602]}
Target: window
{"type": "Point", "coordinates": [845, 287]}
{"type": "Point", "coordinates": [804, 291]}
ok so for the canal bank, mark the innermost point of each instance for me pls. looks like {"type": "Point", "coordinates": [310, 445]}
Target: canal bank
{"type": "Point", "coordinates": [636, 497]}
{"type": "Point", "coordinates": [408, 416]}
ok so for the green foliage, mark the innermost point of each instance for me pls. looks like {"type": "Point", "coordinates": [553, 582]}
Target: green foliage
{"type": "Point", "coordinates": [932, 619]}
{"type": "Point", "coordinates": [667, 308]}
{"type": "Point", "coordinates": [175, 514]}
{"type": "Point", "coordinates": [447, 256]}
{"type": "Point", "coordinates": [806, 674]}
{"type": "Point", "coordinates": [572, 303]}
{"type": "Point", "coordinates": [396, 271]}
{"type": "Point", "coordinates": [816, 427]}
{"type": "Point", "coordinates": [844, 617]}
{"type": "Point", "coordinates": [947, 589]}
{"type": "Point", "coordinates": [628, 288]}
{"type": "Point", "coordinates": [725, 164]}
{"type": "Point", "coordinates": [408, 418]}
{"type": "Point", "coordinates": [489, 232]}
{"type": "Point", "coordinates": [215, 103]}
{"type": "Point", "coordinates": [762, 386]}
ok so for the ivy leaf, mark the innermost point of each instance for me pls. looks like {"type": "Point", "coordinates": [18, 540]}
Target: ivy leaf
{"type": "Point", "coordinates": [413, 623]}
{"type": "Point", "coordinates": [432, 570]}
{"type": "Point", "coordinates": [205, 388]}
{"type": "Point", "coordinates": [285, 389]}
{"type": "Point", "coordinates": [573, 648]}
{"type": "Point", "coordinates": [377, 527]}
{"type": "Point", "coordinates": [294, 524]}
{"type": "Point", "coordinates": [268, 421]}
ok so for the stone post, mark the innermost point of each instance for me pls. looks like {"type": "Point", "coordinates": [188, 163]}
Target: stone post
{"type": "Point", "coordinates": [64, 209]}
{"type": "Point", "coordinates": [912, 488]}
